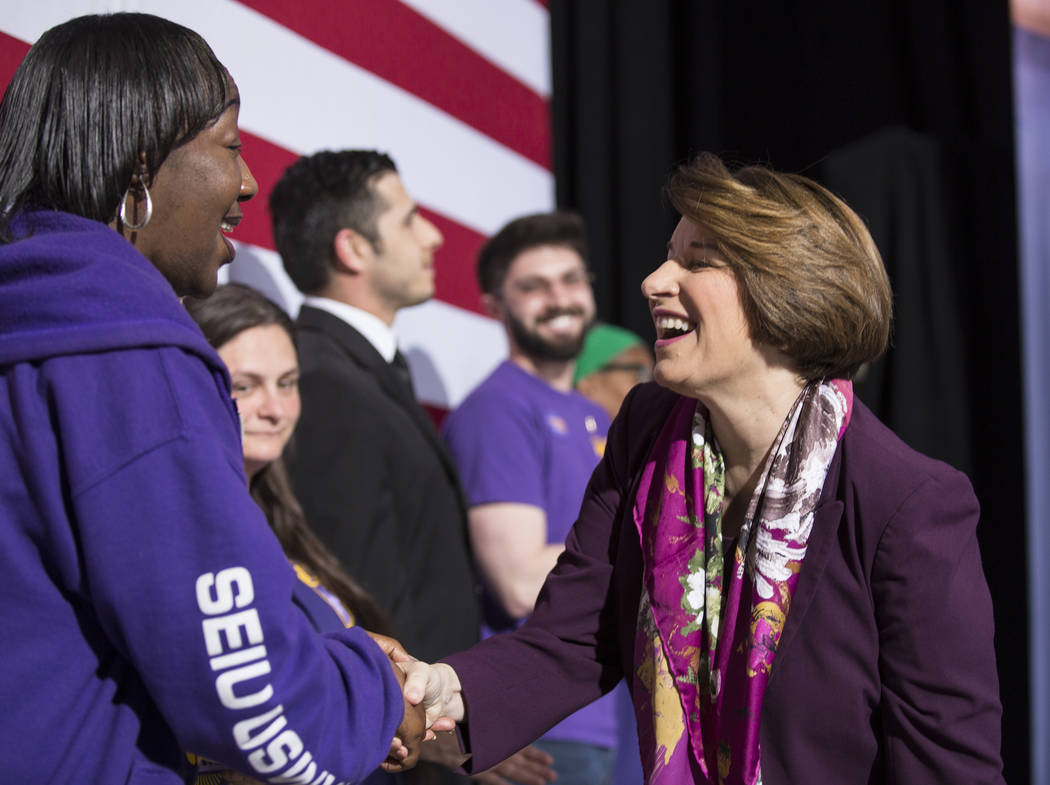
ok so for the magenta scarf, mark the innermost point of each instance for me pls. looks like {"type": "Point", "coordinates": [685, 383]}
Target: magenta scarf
{"type": "Point", "coordinates": [708, 630]}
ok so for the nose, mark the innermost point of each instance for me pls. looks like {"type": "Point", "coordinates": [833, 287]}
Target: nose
{"type": "Point", "coordinates": [561, 295]}
{"type": "Point", "coordinates": [432, 237]}
{"type": "Point", "coordinates": [661, 282]}
{"type": "Point", "coordinates": [272, 407]}
{"type": "Point", "coordinates": [249, 187]}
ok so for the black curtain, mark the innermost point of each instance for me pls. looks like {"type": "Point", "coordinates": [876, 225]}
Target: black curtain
{"type": "Point", "coordinates": [903, 108]}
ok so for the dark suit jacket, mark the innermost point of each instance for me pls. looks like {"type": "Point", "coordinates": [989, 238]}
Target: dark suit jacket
{"type": "Point", "coordinates": [885, 672]}
{"type": "Point", "coordinates": [379, 488]}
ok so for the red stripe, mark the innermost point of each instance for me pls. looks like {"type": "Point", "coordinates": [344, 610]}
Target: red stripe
{"type": "Point", "coordinates": [436, 413]}
{"type": "Point", "coordinates": [456, 282]}
{"type": "Point", "coordinates": [12, 51]}
{"type": "Point", "coordinates": [406, 49]}
{"type": "Point", "coordinates": [267, 162]}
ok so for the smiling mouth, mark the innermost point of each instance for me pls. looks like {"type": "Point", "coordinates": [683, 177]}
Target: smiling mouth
{"type": "Point", "coordinates": [560, 315]}
{"type": "Point", "coordinates": [229, 223]}
{"type": "Point", "coordinates": [673, 327]}
{"type": "Point", "coordinates": [562, 322]}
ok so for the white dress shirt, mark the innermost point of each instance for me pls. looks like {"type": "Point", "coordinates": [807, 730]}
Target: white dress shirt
{"type": "Point", "coordinates": [375, 330]}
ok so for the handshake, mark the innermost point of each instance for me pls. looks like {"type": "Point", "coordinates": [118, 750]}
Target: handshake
{"type": "Point", "coordinates": [432, 703]}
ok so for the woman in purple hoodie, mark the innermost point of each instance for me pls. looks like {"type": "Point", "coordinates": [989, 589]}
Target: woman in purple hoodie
{"type": "Point", "coordinates": [147, 609]}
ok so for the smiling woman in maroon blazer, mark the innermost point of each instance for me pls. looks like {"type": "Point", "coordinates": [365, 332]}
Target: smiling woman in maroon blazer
{"type": "Point", "coordinates": [792, 593]}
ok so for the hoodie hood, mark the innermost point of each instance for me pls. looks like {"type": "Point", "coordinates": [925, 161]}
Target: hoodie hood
{"type": "Point", "coordinates": [70, 285]}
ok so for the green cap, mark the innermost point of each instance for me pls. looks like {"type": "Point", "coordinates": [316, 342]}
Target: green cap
{"type": "Point", "coordinates": [603, 343]}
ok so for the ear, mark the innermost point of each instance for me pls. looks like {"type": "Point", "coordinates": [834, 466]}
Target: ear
{"type": "Point", "coordinates": [493, 306]}
{"type": "Point", "coordinates": [353, 253]}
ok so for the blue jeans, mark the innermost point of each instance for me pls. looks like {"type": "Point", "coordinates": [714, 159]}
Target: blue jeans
{"type": "Point", "coordinates": [578, 763]}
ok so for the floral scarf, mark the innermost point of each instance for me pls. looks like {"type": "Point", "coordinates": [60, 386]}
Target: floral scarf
{"type": "Point", "coordinates": [701, 675]}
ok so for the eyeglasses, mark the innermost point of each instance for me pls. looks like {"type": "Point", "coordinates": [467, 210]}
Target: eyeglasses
{"type": "Point", "coordinates": [572, 280]}
{"type": "Point", "coordinates": [643, 373]}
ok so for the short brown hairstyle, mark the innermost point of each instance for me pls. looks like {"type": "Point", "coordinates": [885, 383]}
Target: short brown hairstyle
{"type": "Point", "coordinates": [561, 228]}
{"type": "Point", "coordinates": [812, 281]}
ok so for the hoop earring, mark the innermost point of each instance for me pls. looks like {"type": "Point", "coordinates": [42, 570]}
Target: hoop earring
{"type": "Point", "coordinates": [124, 210]}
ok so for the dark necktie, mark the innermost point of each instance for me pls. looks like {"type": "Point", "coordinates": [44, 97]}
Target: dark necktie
{"type": "Point", "coordinates": [400, 366]}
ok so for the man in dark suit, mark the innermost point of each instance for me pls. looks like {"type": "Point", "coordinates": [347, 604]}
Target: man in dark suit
{"type": "Point", "coordinates": [369, 468]}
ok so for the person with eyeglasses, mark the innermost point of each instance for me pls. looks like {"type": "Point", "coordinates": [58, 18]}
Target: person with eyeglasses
{"type": "Point", "coordinates": [613, 361]}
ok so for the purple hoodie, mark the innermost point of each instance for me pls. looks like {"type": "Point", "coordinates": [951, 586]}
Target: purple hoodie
{"type": "Point", "coordinates": [146, 607]}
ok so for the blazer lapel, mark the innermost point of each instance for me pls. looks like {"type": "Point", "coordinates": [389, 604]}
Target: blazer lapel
{"type": "Point", "coordinates": [359, 350]}
{"type": "Point", "coordinates": [402, 393]}
{"type": "Point", "coordinates": [391, 381]}
{"type": "Point", "coordinates": [363, 354]}
{"type": "Point", "coordinates": [826, 519]}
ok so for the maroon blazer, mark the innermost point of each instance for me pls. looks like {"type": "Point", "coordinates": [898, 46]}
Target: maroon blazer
{"type": "Point", "coordinates": [885, 672]}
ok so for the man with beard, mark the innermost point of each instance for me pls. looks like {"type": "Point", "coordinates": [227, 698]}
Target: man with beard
{"type": "Point", "coordinates": [526, 443]}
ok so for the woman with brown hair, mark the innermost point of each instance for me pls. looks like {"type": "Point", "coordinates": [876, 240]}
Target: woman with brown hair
{"type": "Point", "coordinates": [793, 594]}
{"type": "Point", "coordinates": [254, 337]}
{"type": "Point", "coordinates": [255, 340]}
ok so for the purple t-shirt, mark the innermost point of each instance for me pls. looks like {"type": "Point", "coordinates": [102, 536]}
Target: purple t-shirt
{"type": "Point", "coordinates": [517, 439]}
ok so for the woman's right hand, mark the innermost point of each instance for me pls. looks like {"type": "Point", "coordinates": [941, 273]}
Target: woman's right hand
{"type": "Point", "coordinates": [436, 687]}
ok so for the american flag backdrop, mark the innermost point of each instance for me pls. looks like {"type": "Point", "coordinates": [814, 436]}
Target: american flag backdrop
{"type": "Point", "coordinates": [456, 91]}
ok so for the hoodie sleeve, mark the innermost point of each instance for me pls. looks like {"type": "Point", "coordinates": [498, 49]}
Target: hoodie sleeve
{"type": "Point", "coordinates": [189, 584]}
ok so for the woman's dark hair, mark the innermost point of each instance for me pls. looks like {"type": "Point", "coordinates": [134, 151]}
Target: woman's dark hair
{"type": "Point", "coordinates": [234, 308]}
{"type": "Point", "coordinates": [90, 97]}
{"type": "Point", "coordinates": [231, 310]}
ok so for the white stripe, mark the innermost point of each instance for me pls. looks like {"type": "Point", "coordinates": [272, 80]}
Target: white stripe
{"type": "Point", "coordinates": [513, 34]}
{"type": "Point", "coordinates": [261, 268]}
{"type": "Point", "coordinates": [305, 98]}
{"type": "Point", "coordinates": [28, 20]}
{"type": "Point", "coordinates": [433, 336]}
